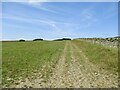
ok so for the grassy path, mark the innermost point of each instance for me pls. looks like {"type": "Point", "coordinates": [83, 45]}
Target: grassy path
{"type": "Point", "coordinates": [58, 77]}
{"type": "Point", "coordinates": [92, 74]}
{"type": "Point", "coordinates": [71, 69]}
{"type": "Point", "coordinates": [80, 72]}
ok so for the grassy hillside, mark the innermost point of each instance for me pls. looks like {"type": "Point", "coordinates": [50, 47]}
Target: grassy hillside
{"type": "Point", "coordinates": [22, 58]}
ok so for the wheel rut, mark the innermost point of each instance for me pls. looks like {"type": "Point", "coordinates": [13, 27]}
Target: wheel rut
{"type": "Point", "coordinates": [74, 70]}
{"type": "Point", "coordinates": [80, 72]}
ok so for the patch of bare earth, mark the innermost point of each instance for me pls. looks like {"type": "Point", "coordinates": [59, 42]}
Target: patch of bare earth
{"type": "Point", "coordinates": [59, 74]}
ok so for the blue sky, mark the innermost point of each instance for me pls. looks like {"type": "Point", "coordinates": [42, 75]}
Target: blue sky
{"type": "Point", "coordinates": [52, 20]}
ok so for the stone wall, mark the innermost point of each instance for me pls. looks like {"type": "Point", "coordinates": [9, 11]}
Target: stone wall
{"type": "Point", "coordinates": [111, 42]}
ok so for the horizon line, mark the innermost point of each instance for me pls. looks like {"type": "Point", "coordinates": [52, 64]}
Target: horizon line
{"type": "Point", "coordinates": [55, 39]}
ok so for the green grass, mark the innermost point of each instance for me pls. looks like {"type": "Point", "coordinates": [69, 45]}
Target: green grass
{"type": "Point", "coordinates": [105, 57]}
{"type": "Point", "coordinates": [20, 59]}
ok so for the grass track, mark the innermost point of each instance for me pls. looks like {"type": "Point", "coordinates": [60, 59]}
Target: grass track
{"type": "Point", "coordinates": [103, 56]}
{"type": "Point", "coordinates": [61, 62]}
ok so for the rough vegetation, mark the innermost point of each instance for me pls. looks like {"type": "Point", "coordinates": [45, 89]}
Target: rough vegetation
{"type": "Point", "coordinates": [54, 64]}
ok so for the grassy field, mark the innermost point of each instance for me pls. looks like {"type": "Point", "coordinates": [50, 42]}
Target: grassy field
{"type": "Point", "coordinates": [20, 59]}
{"type": "Point", "coordinates": [105, 57]}
{"type": "Point", "coordinates": [54, 59]}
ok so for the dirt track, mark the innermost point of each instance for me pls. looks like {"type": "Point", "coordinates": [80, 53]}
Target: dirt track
{"type": "Point", "coordinates": [74, 70]}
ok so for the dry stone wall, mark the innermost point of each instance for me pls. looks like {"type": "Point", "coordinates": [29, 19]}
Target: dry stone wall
{"type": "Point", "coordinates": [111, 42]}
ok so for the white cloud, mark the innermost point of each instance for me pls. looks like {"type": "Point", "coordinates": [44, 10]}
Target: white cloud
{"type": "Point", "coordinates": [36, 2]}
{"type": "Point", "coordinates": [33, 2]}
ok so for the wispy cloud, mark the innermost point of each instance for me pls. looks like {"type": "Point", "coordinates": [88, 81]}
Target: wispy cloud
{"type": "Point", "coordinates": [51, 21]}
{"type": "Point", "coordinates": [87, 19]}
{"type": "Point", "coordinates": [38, 22]}
{"type": "Point", "coordinates": [36, 1]}
{"type": "Point", "coordinates": [59, 27]}
{"type": "Point", "coordinates": [38, 5]}
{"type": "Point", "coordinates": [33, 3]}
